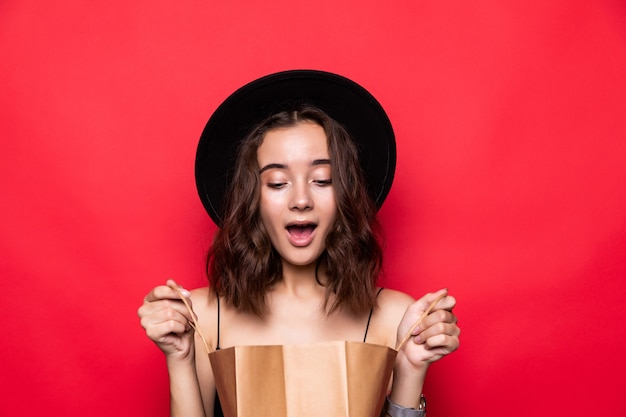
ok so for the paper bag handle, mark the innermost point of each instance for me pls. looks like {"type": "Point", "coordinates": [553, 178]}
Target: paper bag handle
{"type": "Point", "coordinates": [430, 308]}
{"type": "Point", "coordinates": [194, 322]}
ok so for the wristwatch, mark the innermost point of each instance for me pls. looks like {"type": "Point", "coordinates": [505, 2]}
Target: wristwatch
{"type": "Point", "coordinates": [394, 410]}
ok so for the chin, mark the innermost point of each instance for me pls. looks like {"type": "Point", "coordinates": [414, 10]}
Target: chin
{"type": "Point", "coordinates": [301, 261]}
{"type": "Point", "coordinates": [300, 264]}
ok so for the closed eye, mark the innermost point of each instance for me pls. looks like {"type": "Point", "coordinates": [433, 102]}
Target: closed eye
{"type": "Point", "coordinates": [323, 182]}
{"type": "Point", "coordinates": [276, 185]}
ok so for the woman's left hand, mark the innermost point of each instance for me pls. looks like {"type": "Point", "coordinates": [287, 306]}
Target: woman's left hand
{"type": "Point", "coordinates": [435, 337]}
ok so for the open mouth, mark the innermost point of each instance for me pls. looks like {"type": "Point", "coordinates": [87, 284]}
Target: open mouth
{"type": "Point", "coordinates": [301, 230]}
{"type": "Point", "coordinates": [301, 233]}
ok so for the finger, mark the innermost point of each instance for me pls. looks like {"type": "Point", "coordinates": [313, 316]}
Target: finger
{"type": "Point", "coordinates": [167, 292]}
{"type": "Point", "coordinates": [164, 308]}
{"type": "Point", "coordinates": [443, 336]}
{"type": "Point", "coordinates": [416, 311]}
{"type": "Point", "coordinates": [443, 343]}
{"type": "Point", "coordinates": [447, 303]}
{"type": "Point", "coordinates": [423, 303]}
{"type": "Point", "coordinates": [168, 319]}
{"type": "Point", "coordinates": [440, 328]}
{"type": "Point", "coordinates": [441, 312]}
{"type": "Point", "coordinates": [178, 288]}
{"type": "Point", "coordinates": [185, 297]}
{"type": "Point", "coordinates": [162, 292]}
{"type": "Point", "coordinates": [160, 332]}
{"type": "Point", "coordinates": [437, 316]}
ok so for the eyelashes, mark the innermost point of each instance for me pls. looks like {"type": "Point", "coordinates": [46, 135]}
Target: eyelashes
{"type": "Point", "coordinates": [279, 185]}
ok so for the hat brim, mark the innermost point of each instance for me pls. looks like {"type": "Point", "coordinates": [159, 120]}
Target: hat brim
{"type": "Point", "coordinates": [342, 99]}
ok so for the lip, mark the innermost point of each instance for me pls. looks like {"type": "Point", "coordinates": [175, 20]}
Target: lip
{"type": "Point", "coordinates": [301, 233]}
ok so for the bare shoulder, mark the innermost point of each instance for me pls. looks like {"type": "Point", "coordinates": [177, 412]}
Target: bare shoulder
{"type": "Point", "coordinates": [200, 299]}
{"type": "Point", "coordinates": [200, 295]}
{"type": "Point", "coordinates": [390, 308]}
{"type": "Point", "coordinates": [204, 302]}
{"type": "Point", "coordinates": [394, 302]}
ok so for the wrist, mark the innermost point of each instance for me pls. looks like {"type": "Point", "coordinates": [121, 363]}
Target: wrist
{"type": "Point", "coordinates": [408, 382]}
{"type": "Point", "coordinates": [405, 366]}
{"type": "Point", "coordinates": [180, 363]}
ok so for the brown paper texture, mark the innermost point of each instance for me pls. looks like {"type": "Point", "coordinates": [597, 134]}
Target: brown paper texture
{"type": "Point", "coordinates": [333, 379]}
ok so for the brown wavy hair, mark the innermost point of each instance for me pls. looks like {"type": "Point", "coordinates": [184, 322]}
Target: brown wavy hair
{"type": "Point", "coordinates": [242, 264]}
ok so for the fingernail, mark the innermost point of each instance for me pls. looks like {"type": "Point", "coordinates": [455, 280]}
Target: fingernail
{"type": "Point", "coordinates": [185, 293]}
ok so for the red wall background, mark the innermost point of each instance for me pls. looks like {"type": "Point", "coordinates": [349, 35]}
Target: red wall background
{"type": "Point", "coordinates": [509, 187]}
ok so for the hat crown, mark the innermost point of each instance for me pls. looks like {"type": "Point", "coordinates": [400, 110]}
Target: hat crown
{"type": "Point", "coordinates": [341, 98]}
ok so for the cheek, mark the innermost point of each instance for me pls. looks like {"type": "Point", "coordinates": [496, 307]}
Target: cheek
{"type": "Point", "coordinates": [268, 212]}
{"type": "Point", "coordinates": [330, 209]}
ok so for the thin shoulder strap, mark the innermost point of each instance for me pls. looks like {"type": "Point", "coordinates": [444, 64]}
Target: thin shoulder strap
{"type": "Point", "coordinates": [370, 316]}
{"type": "Point", "coordinates": [217, 347]}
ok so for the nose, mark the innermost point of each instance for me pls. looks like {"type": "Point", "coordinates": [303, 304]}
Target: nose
{"type": "Point", "coordinates": [301, 197]}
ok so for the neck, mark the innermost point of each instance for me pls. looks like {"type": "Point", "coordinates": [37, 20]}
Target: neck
{"type": "Point", "coordinates": [302, 280]}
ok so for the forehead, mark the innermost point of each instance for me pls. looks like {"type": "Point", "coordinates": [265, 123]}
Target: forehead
{"type": "Point", "coordinates": [304, 141]}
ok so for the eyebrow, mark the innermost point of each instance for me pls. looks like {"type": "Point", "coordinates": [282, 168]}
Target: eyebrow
{"type": "Point", "coordinates": [283, 166]}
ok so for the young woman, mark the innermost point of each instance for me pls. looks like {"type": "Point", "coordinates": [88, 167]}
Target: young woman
{"type": "Point", "coordinates": [297, 256]}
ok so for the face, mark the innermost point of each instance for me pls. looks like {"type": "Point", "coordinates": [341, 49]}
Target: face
{"type": "Point", "coordinates": [298, 206]}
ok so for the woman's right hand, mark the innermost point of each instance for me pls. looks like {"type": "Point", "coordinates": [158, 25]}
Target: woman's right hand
{"type": "Point", "coordinates": [166, 321]}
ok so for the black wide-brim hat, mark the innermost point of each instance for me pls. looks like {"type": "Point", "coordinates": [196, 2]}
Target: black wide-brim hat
{"type": "Point", "coordinates": [342, 99]}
